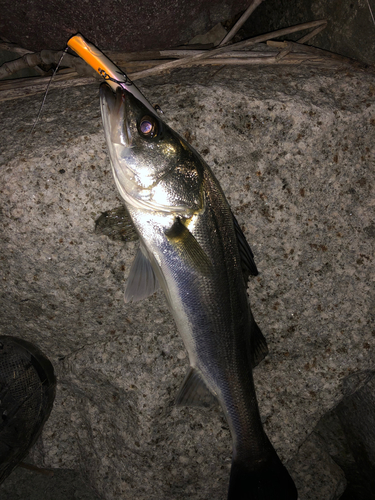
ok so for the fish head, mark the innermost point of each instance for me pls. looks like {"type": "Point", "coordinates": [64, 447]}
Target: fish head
{"type": "Point", "coordinates": [154, 168]}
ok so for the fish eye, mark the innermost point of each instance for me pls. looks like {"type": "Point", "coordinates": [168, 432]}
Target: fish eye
{"type": "Point", "coordinates": [148, 127]}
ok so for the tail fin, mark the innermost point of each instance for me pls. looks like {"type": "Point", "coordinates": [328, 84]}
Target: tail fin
{"type": "Point", "coordinates": [269, 481]}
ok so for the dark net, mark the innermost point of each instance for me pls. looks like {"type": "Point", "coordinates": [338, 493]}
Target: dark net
{"type": "Point", "coordinates": [27, 390]}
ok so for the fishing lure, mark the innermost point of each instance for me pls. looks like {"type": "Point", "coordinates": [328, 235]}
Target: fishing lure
{"type": "Point", "coordinates": [114, 76]}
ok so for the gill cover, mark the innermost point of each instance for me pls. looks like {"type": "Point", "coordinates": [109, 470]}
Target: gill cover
{"type": "Point", "coordinates": [153, 167]}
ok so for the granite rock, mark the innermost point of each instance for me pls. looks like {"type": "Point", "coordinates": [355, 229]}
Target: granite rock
{"type": "Point", "coordinates": [314, 461]}
{"type": "Point", "coordinates": [349, 31]}
{"type": "Point", "coordinates": [348, 431]}
{"type": "Point", "coordinates": [293, 149]}
{"type": "Point", "coordinates": [114, 24]}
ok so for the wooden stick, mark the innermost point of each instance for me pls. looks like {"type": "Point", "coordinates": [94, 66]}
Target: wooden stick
{"type": "Point", "coordinates": [292, 53]}
{"type": "Point", "coordinates": [283, 53]}
{"type": "Point", "coordinates": [116, 55]}
{"type": "Point", "coordinates": [289, 47]}
{"type": "Point", "coordinates": [308, 49]}
{"type": "Point", "coordinates": [28, 60]}
{"type": "Point", "coordinates": [22, 87]}
{"type": "Point", "coordinates": [372, 15]}
{"type": "Point", "coordinates": [121, 58]}
{"type": "Point", "coordinates": [5, 44]}
{"type": "Point", "coordinates": [239, 45]}
{"type": "Point", "coordinates": [34, 59]}
{"type": "Point", "coordinates": [292, 58]}
{"type": "Point", "coordinates": [308, 37]}
{"type": "Point", "coordinates": [277, 33]}
{"type": "Point", "coordinates": [328, 56]}
{"type": "Point", "coordinates": [236, 56]}
{"type": "Point", "coordinates": [179, 54]}
{"type": "Point", "coordinates": [13, 47]}
{"type": "Point", "coordinates": [34, 468]}
{"type": "Point", "coordinates": [253, 5]}
{"type": "Point", "coordinates": [51, 57]}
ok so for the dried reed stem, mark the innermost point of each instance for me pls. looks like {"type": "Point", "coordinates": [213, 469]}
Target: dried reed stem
{"type": "Point", "coordinates": [239, 45]}
{"type": "Point", "coordinates": [253, 5]}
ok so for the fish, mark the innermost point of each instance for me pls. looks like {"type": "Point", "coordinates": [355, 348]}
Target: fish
{"type": "Point", "coordinates": [192, 247]}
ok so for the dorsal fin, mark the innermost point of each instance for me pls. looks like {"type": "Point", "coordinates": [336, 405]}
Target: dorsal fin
{"type": "Point", "coordinates": [247, 256]}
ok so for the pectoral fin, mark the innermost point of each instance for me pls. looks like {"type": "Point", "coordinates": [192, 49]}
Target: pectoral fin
{"type": "Point", "coordinates": [188, 247]}
{"type": "Point", "coordinates": [194, 391]}
{"type": "Point", "coordinates": [116, 224]}
{"type": "Point", "coordinates": [142, 281]}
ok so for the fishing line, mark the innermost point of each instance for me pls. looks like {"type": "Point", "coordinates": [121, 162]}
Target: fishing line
{"type": "Point", "coordinates": [45, 94]}
{"type": "Point", "coordinates": [127, 82]}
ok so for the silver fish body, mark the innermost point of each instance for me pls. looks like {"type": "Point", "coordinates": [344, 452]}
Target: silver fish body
{"type": "Point", "coordinates": [192, 246]}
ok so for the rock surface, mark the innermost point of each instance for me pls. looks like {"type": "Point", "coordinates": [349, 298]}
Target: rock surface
{"type": "Point", "coordinates": [293, 149]}
{"type": "Point", "coordinates": [348, 433]}
{"type": "Point", "coordinates": [350, 26]}
{"type": "Point", "coordinates": [313, 462]}
{"type": "Point", "coordinates": [114, 24]}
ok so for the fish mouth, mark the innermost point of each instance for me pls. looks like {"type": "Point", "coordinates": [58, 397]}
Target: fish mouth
{"type": "Point", "coordinates": [114, 113]}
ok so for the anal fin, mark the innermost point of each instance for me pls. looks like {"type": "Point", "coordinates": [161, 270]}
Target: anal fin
{"type": "Point", "coordinates": [258, 348]}
{"type": "Point", "coordinates": [194, 391]}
